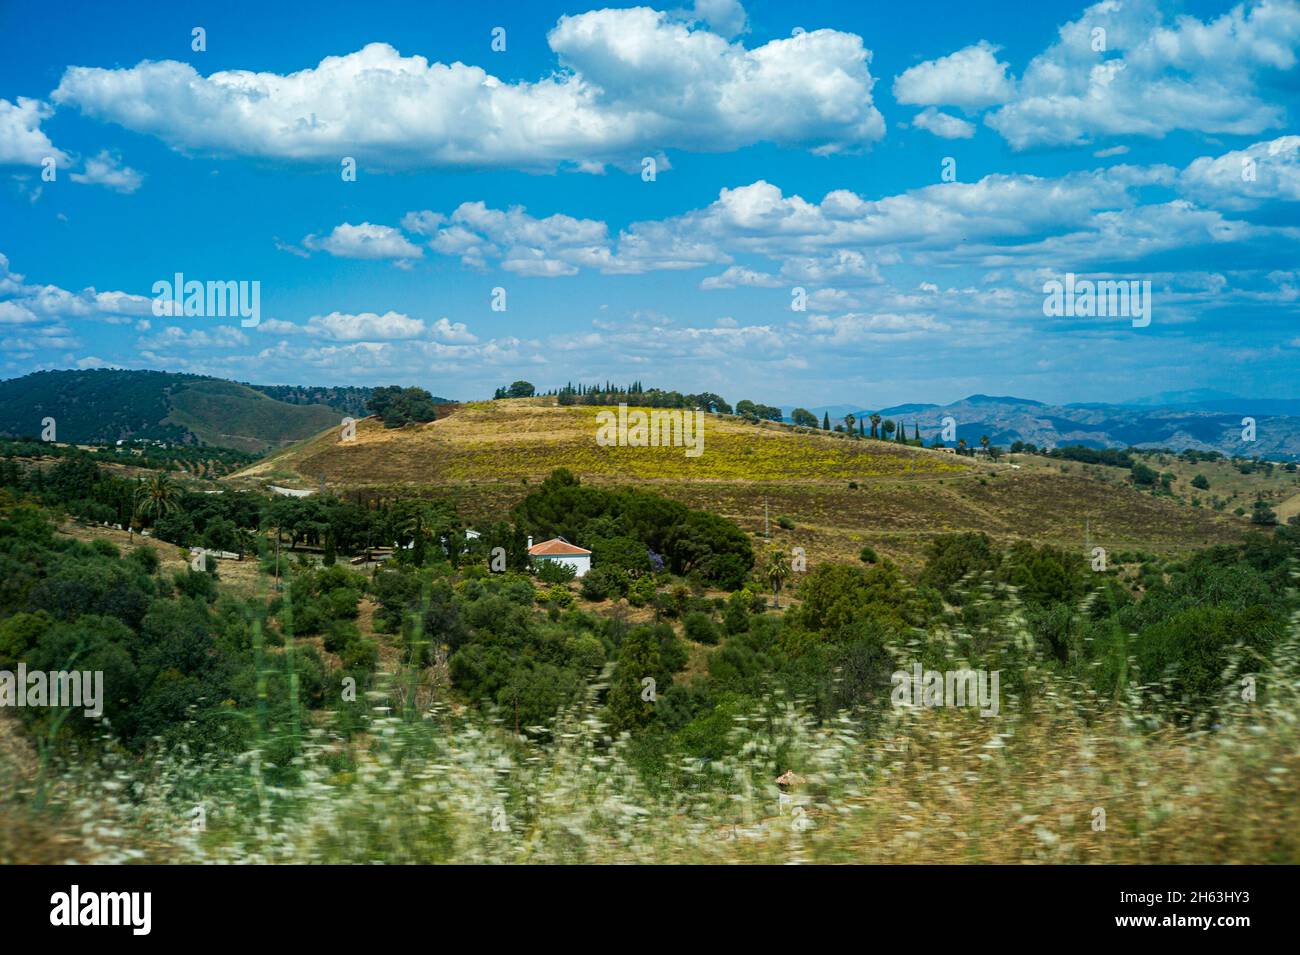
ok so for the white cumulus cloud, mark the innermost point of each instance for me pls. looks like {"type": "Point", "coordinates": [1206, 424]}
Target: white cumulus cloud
{"type": "Point", "coordinates": [1246, 178]}
{"type": "Point", "coordinates": [971, 77]}
{"type": "Point", "coordinates": [342, 326]}
{"type": "Point", "coordinates": [364, 241]}
{"type": "Point", "coordinates": [106, 170]}
{"type": "Point", "coordinates": [1127, 69]}
{"type": "Point", "coordinates": [943, 125]}
{"type": "Point", "coordinates": [22, 142]}
{"type": "Point", "coordinates": [630, 82]}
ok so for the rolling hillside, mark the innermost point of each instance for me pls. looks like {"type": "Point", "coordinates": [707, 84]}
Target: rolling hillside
{"type": "Point", "coordinates": [838, 494]}
{"type": "Point", "coordinates": [529, 437]}
{"type": "Point", "coordinates": [104, 405]}
{"type": "Point", "coordinates": [232, 415]}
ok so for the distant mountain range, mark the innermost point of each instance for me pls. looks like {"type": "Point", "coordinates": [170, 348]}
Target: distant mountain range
{"type": "Point", "coordinates": [1202, 419]}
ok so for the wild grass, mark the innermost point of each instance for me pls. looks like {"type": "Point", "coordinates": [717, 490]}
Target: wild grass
{"type": "Point", "coordinates": [926, 785]}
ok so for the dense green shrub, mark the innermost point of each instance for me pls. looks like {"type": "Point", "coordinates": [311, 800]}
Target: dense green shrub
{"type": "Point", "coordinates": [554, 572]}
{"type": "Point", "coordinates": [602, 583]}
{"type": "Point", "coordinates": [700, 628]}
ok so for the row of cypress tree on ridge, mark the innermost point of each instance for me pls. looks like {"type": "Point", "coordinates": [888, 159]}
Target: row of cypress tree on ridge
{"type": "Point", "coordinates": [882, 429]}
{"type": "Point", "coordinates": [610, 393]}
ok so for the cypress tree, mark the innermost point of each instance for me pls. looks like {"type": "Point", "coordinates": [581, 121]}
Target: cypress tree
{"type": "Point", "coordinates": [638, 658]}
{"type": "Point", "coordinates": [826, 421]}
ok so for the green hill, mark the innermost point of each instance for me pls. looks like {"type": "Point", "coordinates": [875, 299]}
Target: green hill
{"type": "Point", "coordinates": [837, 493]}
{"type": "Point", "coordinates": [346, 399]}
{"type": "Point", "coordinates": [106, 405]}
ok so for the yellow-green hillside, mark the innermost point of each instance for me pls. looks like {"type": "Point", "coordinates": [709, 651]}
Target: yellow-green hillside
{"type": "Point", "coordinates": [839, 494]}
{"type": "Point", "coordinates": [525, 437]}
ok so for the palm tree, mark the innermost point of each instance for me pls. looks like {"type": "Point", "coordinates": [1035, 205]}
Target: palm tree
{"type": "Point", "coordinates": [984, 441]}
{"type": "Point", "coordinates": [414, 525]}
{"type": "Point", "coordinates": [777, 572]}
{"type": "Point", "coordinates": [156, 497]}
{"type": "Point", "coordinates": [849, 422]}
{"type": "Point", "coordinates": [961, 445]}
{"type": "Point", "coordinates": [875, 425]}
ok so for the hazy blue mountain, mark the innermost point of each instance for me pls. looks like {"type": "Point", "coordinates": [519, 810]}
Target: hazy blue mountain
{"type": "Point", "coordinates": [837, 412]}
{"type": "Point", "coordinates": [1170, 399]}
{"type": "Point", "coordinates": [1200, 419]}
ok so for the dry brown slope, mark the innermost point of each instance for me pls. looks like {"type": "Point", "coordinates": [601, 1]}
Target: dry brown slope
{"type": "Point", "coordinates": [525, 438]}
{"type": "Point", "coordinates": [488, 456]}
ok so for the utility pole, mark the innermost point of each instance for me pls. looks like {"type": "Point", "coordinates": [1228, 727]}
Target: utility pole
{"type": "Point", "coordinates": [766, 532]}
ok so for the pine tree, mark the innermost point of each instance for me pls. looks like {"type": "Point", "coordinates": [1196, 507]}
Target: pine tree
{"type": "Point", "coordinates": [638, 658]}
{"type": "Point", "coordinates": [826, 421]}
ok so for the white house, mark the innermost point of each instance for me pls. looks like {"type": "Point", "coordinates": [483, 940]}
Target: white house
{"type": "Point", "coordinates": [560, 551]}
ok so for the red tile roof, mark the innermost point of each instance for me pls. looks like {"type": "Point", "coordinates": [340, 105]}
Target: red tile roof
{"type": "Point", "coordinates": [555, 547]}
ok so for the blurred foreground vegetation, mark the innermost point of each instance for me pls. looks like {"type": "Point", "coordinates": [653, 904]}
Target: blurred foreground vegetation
{"type": "Point", "coordinates": [433, 711]}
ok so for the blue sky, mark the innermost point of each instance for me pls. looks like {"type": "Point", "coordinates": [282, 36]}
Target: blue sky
{"type": "Point", "coordinates": [795, 146]}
